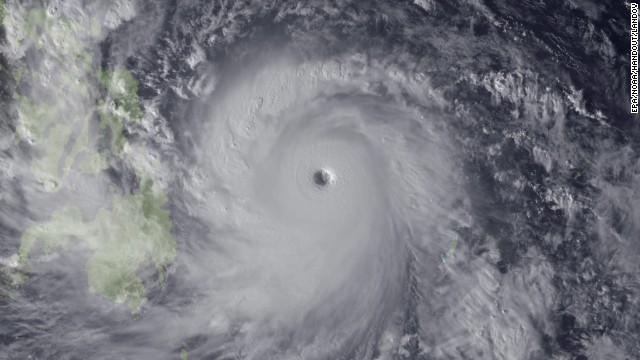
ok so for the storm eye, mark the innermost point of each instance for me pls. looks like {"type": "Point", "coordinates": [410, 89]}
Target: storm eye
{"type": "Point", "coordinates": [322, 177]}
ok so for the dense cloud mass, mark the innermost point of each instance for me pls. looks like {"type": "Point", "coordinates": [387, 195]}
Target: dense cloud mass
{"type": "Point", "coordinates": [318, 180]}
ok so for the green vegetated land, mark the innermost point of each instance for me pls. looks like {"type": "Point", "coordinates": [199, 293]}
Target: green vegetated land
{"type": "Point", "coordinates": [58, 118]}
{"type": "Point", "coordinates": [123, 91]}
{"type": "Point", "coordinates": [2, 11]}
{"type": "Point", "coordinates": [134, 230]}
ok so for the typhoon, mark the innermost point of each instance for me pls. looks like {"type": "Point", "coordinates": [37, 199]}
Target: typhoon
{"type": "Point", "coordinates": [318, 200]}
{"type": "Point", "coordinates": [318, 180]}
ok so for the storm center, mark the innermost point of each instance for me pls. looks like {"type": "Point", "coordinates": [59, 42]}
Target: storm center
{"type": "Point", "coordinates": [322, 177]}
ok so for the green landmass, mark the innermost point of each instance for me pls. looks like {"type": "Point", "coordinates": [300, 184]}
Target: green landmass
{"type": "Point", "coordinates": [33, 120]}
{"type": "Point", "coordinates": [122, 92]}
{"type": "Point", "coordinates": [93, 163]}
{"type": "Point", "coordinates": [63, 33]}
{"type": "Point", "coordinates": [47, 126]}
{"type": "Point", "coordinates": [3, 12]}
{"type": "Point", "coordinates": [453, 245]}
{"type": "Point", "coordinates": [81, 145]}
{"type": "Point", "coordinates": [96, 28]}
{"type": "Point", "coordinates": [116, 124]}
{"type": "Point", "coordinates": [45, 168]}
{"type": "Point", "coordinates": [37, 19]}
{"type": "Point", "coordinates": [135, 232]}
{"type": "Point", "coordinates": [68, 83]}
{"type": "Point", "coordinates": [184, 355]}
{"type": "Point", "coordinates": [123, 89]}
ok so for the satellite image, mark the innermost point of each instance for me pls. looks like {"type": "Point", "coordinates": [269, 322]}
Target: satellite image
{"type": "Point", "coordinates": [319, 180]}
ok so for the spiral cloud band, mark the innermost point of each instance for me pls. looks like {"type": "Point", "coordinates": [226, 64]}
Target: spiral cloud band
{"type": "Point", "coordinates": [320, 199]}
{"type": "Point", "coordinates": [317, 180]}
